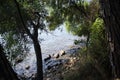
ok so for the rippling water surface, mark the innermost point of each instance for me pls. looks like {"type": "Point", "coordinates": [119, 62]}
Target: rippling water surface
{"type": "Point", "coordinates": [56, 40]}
{"type": "Point", "coordinates": [52, 43]}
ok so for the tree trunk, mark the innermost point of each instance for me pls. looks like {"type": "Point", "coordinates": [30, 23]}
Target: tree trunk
{"type": "Point", "coordinates": [111, 16]}
{"type": "Point", "coordinates": [34, 38]}
{"type": "Point", "coordinates": [6, 71]}
{"type": "Point", "coordinates": [37, 49]}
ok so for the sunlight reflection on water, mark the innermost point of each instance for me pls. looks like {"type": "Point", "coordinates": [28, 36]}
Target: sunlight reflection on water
{"type": "Point", "coordinates": [55, 41]}
{"type": "Point", "coordinates": [52, 43]}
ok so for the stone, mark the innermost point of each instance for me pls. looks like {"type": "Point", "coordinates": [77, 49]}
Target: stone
{"type": "Point", "coordinates": [78, 47]}
{"type": "Point", "coordinates": [74, 58]}
{"type": "Point", "coordinates": [62, 52]}
{"type": "Point", "coordinates": [48, 62]}
{"type": "Point", "coordinates": [56, 55]}
{"type": "Point", "coordinates": [18, 60]}
{"type": "Point", "coordinates": [49, 67]}
{"type": "Point", "coordinates": [27, 67]}
{"type": "Point", "coordinates": [48, 79]}
{"type": "Point", "coordinates": [47, 58]}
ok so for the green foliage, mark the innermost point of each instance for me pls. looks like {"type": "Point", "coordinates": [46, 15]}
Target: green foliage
{"type": "Point", "coordinates": [67, 11]}
{"type": "Point", "coordinates": [54, 21]}
{"type": "Point", "coordinates": [11, 27]}
{"type": "Point", "coordinates": [98, 45]}
{"type": "Point", "coordinates": [86, 68]}
{"type": "Point", "coordinates": [81, 24]}
{"type": "Point", "coordinates": [7, 20]}
{"type": "Point", "coordinates": [87, 23]}
{"type": "Point", "coordinates": [8, 29]}
{"type": "Point", "coordinates": [79, 41]}
{"type": "Point", "coordinates": [86, 72]}
{"type": "Point", "coordinates": [81, 29]}
{"type": "Point", "coordinates": [97, 28]}
{"type": "Point", "coordinates": [94, 61]}
{"type": "Point", "coordinates": [14, 46]}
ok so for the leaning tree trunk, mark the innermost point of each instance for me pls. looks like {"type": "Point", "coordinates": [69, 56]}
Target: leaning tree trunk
{"type": "Point", "coordinates": [6, 71]}
{"type": "Point", "coordinates": [38, 53]}
{"type": "Point", "coordinates": [111, 16]}
{"type": "Point", "coordinates": [34, 38]}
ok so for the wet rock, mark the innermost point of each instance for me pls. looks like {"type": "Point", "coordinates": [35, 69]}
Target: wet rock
{"type": "Point", "coordinates": [33, 76]}
{"type": "Point", "coordinates": [78, 47]}
{"type": "Point", "coordinates": [56, 55]}
{"type": "Point", "coordinates": [27, 67]}
{"type": "Point", "coordinates": [18, 60]}
{"type": "Point", "coordinates": [48, 62]}
{"type": "Point", "coordinates": [49, 67]}
{"type": "Point", "coordinates": [47, 58]}
{"type": "Point", "coordinates": [48, 79]}
{"type": "Point", "coordinates": [53, 64]}
{"type": "Point", "coordinates": [62, 52]}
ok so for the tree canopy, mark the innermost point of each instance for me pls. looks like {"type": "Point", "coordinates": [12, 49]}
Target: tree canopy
{"type": "Point", "coordinates": [22, 21]}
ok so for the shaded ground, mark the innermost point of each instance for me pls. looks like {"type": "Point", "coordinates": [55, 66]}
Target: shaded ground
{"type": "Point", "coordinates": [54, 66]}
{"type": "Point", "coordinates": [65, 63]}
{"type": "Point", "coordinates": [76, 66]}
{"type": "Point", "coordinates": [69, 66]}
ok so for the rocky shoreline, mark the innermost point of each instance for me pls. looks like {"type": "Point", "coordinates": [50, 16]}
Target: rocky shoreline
{"type": "Point", "coordinates": [57, 72]}
{"type": "Point", "coordinates": [59, 58]}
{"type": "Point", "coordinates": [54, 64]}
{"type": "Point", "coordinates": [57, 66]}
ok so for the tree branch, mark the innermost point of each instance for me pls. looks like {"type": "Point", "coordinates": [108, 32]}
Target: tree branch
{"type": "Point", "coordinates": [80, 8]}
{"type": "Point", "coordinates": [20, 15]}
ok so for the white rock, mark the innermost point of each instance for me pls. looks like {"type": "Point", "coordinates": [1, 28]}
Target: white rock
{"type": "Point", "coordinates": [56, 55]}
{"type": "Point", "coordinates": [62, 52]}
{"type": "Point", "coordinates": [27, 67]}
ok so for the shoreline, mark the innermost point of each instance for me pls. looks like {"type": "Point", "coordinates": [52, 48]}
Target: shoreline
{"type": "Point", "coordinates": [26, 70]}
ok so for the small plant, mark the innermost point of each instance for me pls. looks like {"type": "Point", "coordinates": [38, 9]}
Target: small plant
{"type": "Point", "coordinates": [79, 41]}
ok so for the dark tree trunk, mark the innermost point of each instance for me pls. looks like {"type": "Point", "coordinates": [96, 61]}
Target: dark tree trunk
{"type": "Point", "coordinates": [6, 71]}
{"type": "Point", "coordinates": [34, 38]}
{"type": "Point", "coordinates": [38, 53]}
{"type": "Point", "coordinates": [111, 16]}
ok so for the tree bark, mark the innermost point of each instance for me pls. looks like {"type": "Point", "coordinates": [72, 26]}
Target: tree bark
{"type": "Point", "coordinates": [34, 38]}
{"type": "Point", "coordinates": [38, 53]}
{"type": "Point", "coordinates": [6, 71]}
{"type": "Point", "coordinates": [111, 16]}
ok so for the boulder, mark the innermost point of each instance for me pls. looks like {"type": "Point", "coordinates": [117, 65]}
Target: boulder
{"type": "Point", "coordinates": [48, 79]}
{"type": "Point", "coordinates": [27, 67]}
{"type": "Point", "coordinates": [47, 58]}
{"type": "Point", "coordinates": [62, 52]}
{"type": "Point", "coordinates": [18, 60]}
{"type": "Point", "coordinates": [56, 55]}
{"type": "Point", "coordinates": [49, 67]}
{"type": "Point", "coordinates": [54, 64]}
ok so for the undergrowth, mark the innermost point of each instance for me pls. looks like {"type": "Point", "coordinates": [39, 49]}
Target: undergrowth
{"type": "Point", "coordinates": [94, 63]}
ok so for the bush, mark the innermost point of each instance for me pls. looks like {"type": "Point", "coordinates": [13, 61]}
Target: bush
{"type": "Point", "coordinates": [94, 59]}
{"type": "Point", "coordinates": [86, 71]}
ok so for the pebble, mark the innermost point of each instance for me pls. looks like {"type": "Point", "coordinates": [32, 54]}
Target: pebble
{"type": "Point", "coordinates": [18, 61]}
{"type": "Point", "coordinates": [47, 58]}
{"type": "Point", "coordinates": [27, 67]}
{"type": "Point", "coordinates": [56, 55]}
{"type": "Point", "coordinates": [62, 52]}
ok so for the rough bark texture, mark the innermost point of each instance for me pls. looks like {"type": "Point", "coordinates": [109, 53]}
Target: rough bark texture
{"type": "Point", "coordinates": [111, 16]}
{"type": "Point", "coordinates": [37, 49]}
{"type": "Point", "coordinates": [6, 71]}
{"type": "Point", "coordinates": [34, 38]}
